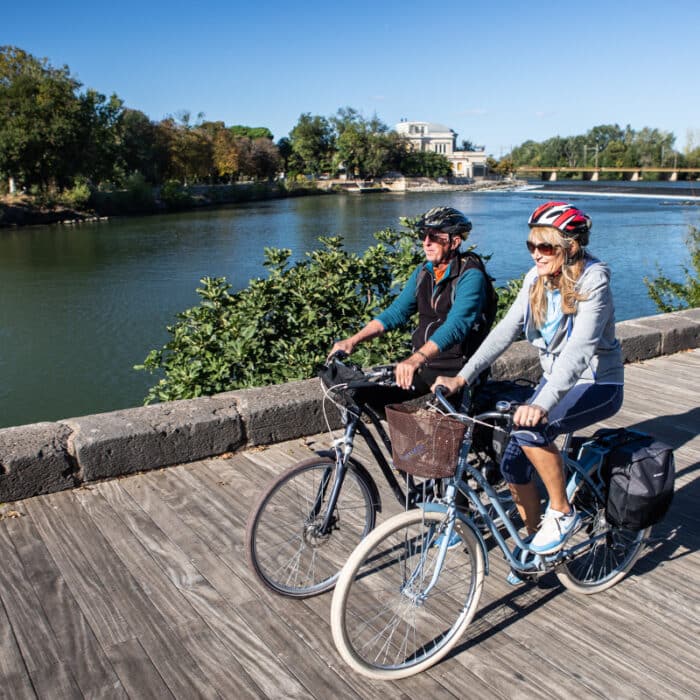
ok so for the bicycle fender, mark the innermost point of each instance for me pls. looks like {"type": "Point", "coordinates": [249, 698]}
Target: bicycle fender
{"type": "Point", "coordinates": [363, 472]}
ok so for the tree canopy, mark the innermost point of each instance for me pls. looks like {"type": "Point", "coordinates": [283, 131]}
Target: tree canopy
{"type": "Point", "coordinates": [607, 145]}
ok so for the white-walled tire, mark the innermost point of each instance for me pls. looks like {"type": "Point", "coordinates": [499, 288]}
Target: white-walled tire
{"type": "Point", "coordinates": [383, 626]}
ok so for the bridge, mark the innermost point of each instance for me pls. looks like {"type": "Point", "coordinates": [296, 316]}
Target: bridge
{"type": "Point", "coordinates": [138, 586]}
{"type": "Point", "coordinates": [633, 174]}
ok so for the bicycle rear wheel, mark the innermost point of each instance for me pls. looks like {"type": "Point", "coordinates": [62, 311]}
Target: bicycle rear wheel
{"type": "Point", "coordinates": [284, 544]}
{"type": "Point", "coordinates": [613, 551]}
{"type": "Point", "coordinates": [386, 623]}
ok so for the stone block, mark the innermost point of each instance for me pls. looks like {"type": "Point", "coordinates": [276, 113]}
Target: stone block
{"type": "Point", "coordinates": [138, 439]}
{"type": "Point", "coordinates": [678, 331]}
{"type": "Point", "coordinates": [520, 360]}
{"type": "Point", "coordinates": [283, 412]}
{"type": "Point", "coordinates": [638, 341]}
{"type": "Point", "coordinates": [34, 460]}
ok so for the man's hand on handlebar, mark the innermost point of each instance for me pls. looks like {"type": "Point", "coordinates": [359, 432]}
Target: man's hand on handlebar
{"type": "Point", "coordinates": [405, 371]}
{"type": "Point", "coordinates": [451, 384]}
{"type": "Point", "coordinates": [345, 346]}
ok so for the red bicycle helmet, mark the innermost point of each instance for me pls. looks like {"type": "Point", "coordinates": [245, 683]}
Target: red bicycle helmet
{"type": "Point", "coordinates": [572, 222]}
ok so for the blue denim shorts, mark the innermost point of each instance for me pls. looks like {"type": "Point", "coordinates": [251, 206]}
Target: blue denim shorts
{"type": "Point", "coordinates": [583, 405]}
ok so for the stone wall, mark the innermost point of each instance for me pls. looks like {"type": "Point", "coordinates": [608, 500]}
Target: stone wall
{"type": "Point", "coordinates": [46, 457]}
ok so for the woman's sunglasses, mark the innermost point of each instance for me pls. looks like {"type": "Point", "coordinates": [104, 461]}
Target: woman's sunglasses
{"type": "Point", "coordinates": [544, 248]}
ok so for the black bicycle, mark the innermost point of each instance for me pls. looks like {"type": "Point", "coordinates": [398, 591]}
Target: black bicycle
{"type": "Point", "coordinates": [312, 516]}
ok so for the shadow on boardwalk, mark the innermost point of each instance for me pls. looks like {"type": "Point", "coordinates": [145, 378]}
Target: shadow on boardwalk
{"type": "Point", "coordinates": [138, 587]}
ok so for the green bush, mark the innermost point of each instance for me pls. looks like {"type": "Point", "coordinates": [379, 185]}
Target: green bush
{"type": "Point", "coordinates": [675, 296]}
{"type": "Point", "coordinates": [278, 329]}
{"type": "Point", "coordinates": [175, 196]}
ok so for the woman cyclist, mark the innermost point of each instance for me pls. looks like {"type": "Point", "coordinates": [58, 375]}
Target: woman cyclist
{"type": "Point", "coordinates": [565, 309]}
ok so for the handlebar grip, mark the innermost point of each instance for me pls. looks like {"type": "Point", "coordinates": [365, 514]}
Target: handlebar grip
{"type": "Point", "coordinates": [440, 392]}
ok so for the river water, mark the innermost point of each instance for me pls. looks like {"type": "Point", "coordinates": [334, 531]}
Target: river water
{"type": "Point", "coordinates": [79, 306]}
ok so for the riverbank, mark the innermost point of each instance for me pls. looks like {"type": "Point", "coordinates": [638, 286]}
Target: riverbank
{"type": "Point", "coordinates": [21, 211]}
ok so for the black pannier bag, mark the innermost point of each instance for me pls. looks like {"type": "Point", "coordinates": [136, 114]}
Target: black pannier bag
{"type": "Point", "coordinates": [639, 471]}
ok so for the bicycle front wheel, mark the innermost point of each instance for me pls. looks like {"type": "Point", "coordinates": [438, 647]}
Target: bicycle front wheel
{"type": "Point", "coordinates": [390, 617]}
{"type": "Point", "coordinates": [285, 545]}
{"type": "Point", "coordinates": [612, 551]}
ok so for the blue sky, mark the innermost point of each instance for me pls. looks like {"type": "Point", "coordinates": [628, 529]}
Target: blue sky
{"type": "Point", "coordinates": [497, 72]}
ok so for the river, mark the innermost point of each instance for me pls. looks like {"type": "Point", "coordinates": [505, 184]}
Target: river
{"type": "Point", "coordinates": [81, 305]}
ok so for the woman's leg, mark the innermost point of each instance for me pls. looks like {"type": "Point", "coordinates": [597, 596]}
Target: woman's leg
{"type": "Point", "coordinates": [549, 465]}
{"type": "Point", "coordinates": [527, 499]}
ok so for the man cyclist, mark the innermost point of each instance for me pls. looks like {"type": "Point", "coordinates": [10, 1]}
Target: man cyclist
{"type": "Point", "coordinates": [451, 293]}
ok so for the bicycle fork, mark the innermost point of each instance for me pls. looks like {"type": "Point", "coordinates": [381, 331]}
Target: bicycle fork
{"type": "Point", "coordinates": [343, 449]}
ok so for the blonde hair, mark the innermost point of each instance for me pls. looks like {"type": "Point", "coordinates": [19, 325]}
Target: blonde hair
{"type": "Point", "coordinates": [571, 271]}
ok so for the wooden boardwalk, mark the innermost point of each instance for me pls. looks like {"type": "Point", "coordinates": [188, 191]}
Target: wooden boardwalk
{"type": "Point", "coordinates": [138, 587]}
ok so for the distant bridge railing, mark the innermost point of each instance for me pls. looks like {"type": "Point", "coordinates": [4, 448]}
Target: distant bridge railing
{"type": "Point", "coordinates": [594, 173]}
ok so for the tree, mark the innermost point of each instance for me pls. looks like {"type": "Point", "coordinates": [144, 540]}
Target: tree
{"type": "Point", "coordinates": [366, 147]}
{"type": "Point", "coordinates": [265, 158]}
{"type": "Point", "coordinates": [226, 154]}
{"type": "Point", "coordinates": [251, 132]}
{"type": "Point", "coordinates": [312, 143]}
{"type": "Point", "coordinates": [425, 164]}
{"type": "Point", "coordinates": [190, 150]}
{"type": "Point", "coordinates": [140, 150]}
{"type": "Point", "coordinates": [40, 116]}
{"type": "Point", "coordinates": [284, 148]}
{"type": "Point", "coordinates": [98, 139]}
{"type": "Point", "coordinates": [675, 296]}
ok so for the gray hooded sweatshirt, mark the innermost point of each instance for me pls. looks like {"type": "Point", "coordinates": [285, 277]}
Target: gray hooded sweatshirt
{"type": "Point", "coordinates": [583, 349]}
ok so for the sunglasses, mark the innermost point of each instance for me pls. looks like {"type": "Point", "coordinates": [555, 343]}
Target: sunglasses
{"type": "Point", "coordinates": [544, 248]}
{"type": "Point", "coordinates": [433, 235]}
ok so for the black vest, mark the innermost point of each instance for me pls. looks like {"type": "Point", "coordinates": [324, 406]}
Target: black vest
{"type": "Point", "coordinates": [434, 303]}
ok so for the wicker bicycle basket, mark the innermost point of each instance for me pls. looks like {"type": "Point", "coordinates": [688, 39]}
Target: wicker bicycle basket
{"type": "Point", "coordinates": [424, 443]}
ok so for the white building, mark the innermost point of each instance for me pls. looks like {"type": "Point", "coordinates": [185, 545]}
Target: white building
{"type": "Point", "coordinates": [428, 136]}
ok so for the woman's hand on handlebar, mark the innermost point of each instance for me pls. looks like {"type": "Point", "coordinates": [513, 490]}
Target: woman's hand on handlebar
{"type": "Point", "coordinates": [528, 415]}
{"type": "Point", "coordinates": [452, 384]}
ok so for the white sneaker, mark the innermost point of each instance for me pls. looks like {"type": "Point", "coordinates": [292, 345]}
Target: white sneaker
{"type": "Point", "coordinates": [555, 529]}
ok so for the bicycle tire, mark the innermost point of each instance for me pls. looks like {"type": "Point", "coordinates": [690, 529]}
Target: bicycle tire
{"type": "Point", "coordinates": [609, 558]}
{"type": "Point", "coordinates": [283, 547]}
{"type": "Point", "coordinates": [381, 626]}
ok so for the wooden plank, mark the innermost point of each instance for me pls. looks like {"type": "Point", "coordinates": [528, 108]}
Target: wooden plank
{"type": "Point", "coordinates": [142, 547]}
{"type": "Point", "coordinates": [11, 662]}
{"type": "Point", "coordinates": [56, 682]}
{"type": "Point", "coordinates": [212, 606]}
{"type": "Point", "coordinates": [220, 665]}
{"type": "Point", "coordinates": [102, 612]}
{"type": "Point", "coordinates": [207, 563]}
{"type": "Point", "coordinates": [136, 672]}
{"type": "Point", "coordinates": [77, 643]}
{"type": "Point", "coordinates": [25, 614]}
{"type": "Point", "coordinates": [290, 647]}
{"type": "Point", "coordinates": [17, 686]}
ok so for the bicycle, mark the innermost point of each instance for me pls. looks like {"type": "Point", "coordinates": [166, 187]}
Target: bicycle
{"type": "Point", "coordinates": [405, 596]}
{"type": "Point", "coordinates": [311, 517]}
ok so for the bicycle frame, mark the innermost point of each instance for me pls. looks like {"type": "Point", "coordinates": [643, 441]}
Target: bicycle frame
{"type": "Point", "coordinates": [579, 472]}
{"type": "Point", "coordinates": [343, 449]}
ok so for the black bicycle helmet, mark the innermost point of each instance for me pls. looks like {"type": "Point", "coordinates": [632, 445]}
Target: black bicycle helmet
{"type": "Point", "coordinates": [447, 220]}
{"type": "Point", "coordinates": [572, 222]}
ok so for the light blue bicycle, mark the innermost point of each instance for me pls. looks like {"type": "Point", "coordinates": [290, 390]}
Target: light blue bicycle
{"type": "Point", "coordinates": [406, 594]}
